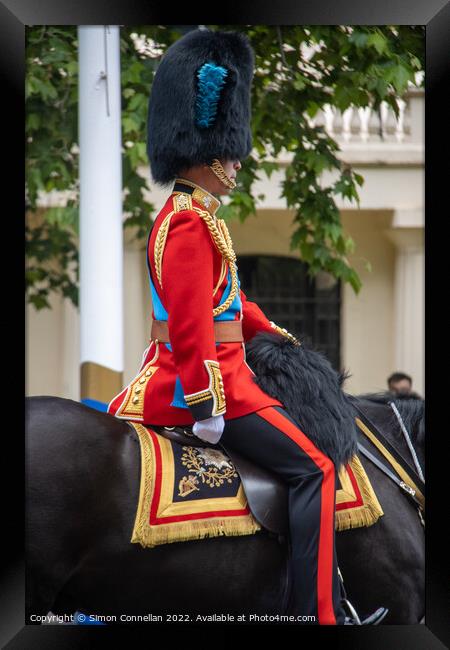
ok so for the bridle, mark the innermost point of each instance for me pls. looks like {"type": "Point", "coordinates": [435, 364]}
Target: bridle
{"type": "Point", "coordinates": [408, 440]}
{"type": "Point", "coordinates": [416, 493]}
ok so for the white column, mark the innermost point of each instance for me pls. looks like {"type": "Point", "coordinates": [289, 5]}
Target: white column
{"type": "Point", "coordinates": [101, 236]}
{"type": "Point", "coordinates": [409, 308]}
{"type": "Point", "coordinates": [410, 315]}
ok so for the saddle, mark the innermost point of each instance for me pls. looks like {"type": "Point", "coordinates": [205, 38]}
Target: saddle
{"type": "Point", "coordinates": [266, 493]}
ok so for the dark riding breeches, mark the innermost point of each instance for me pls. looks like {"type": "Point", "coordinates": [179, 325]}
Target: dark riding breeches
{"type": "Point", "coordinates": [272, 439]}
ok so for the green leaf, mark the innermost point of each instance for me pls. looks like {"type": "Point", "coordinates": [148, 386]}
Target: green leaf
{"type": "Point", "coordinates": [269, 167]}
{"type": "Point", "coordinates": [399, 75]}
{"type": "Point", "coordinates": [138, 101]}
{"type": "Point", "coordinates": [312, 108]}
{"type": "Point", "coordinates": [299, 82]}
{"type": "Point", "coordinates": [39, 301]}
{"type": "Point", "coordinates": [129, 124]}
{"type": "Point", "coordinates": [72, 67]}
{"type": "Point", "coordinates": [378, 41]}
{"type": "Point", "coordinates": [44, 88]}
{"type": "Point", "coordinates": [359, 39]}
{"type": "Point", "coordinates": [349, 245]}
{"type": "Point", "coordinates": [381, 87]}
{"type": "Point", "coordinates": [334, 231]}
{"type": "Point", "coordinates": [63, 216]}
{"type": "Point", "coordinates": [355, 281]}
{"type": "Point", "coordinates": [32, 122]}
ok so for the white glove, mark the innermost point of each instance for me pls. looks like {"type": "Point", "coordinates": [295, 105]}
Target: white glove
{"type": "Point", "coordinates": [209, 430]}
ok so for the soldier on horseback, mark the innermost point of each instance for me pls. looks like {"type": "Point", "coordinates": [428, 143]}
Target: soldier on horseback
{"type": "Point", "coordinates": [194, 371]}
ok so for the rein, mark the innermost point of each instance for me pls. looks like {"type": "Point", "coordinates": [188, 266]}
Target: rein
{"type": "Point", "coordinates": [408, 440]}
{"type": "Point", "coordinates": [409, 482]}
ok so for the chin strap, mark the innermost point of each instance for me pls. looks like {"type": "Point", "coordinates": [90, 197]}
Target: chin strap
{"type": "Point", "coordinates": [218, 170]}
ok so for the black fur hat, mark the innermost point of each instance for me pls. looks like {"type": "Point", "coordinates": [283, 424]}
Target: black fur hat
{"type": "Point", "coordinates": [199, 107]}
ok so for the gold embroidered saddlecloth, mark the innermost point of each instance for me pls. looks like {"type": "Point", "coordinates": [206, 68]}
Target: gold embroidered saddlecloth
{"type": "Point", "coordinates": [187, 493]}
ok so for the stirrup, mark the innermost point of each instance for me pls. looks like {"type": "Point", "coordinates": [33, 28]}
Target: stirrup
{"type": "Point", "coordinates": [353, 614]}
{"type": "Point", "coordinates": [373, 619]}
{"type": "Point", "coordinates": [354, 619]}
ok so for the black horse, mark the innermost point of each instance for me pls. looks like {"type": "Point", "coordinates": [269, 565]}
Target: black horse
{"type": "Point", "coordinates": [82, 487]}
{"type": "Point", "coordinates": [389, 556]}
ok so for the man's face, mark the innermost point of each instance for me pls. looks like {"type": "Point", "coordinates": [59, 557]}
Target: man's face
{"type": "Point", "coordinates": [402, 387]}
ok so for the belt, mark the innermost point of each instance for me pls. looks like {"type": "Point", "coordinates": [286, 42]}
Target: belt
{"type": "Point", "coordinates": [225, 331]}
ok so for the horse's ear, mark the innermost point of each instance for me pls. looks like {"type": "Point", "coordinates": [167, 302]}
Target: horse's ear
{"type": "Point", "coordinates": [343, 376]}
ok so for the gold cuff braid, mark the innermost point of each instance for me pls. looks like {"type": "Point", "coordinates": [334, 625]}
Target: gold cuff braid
{"type": "Point", "coordinates": [215, 390]}
{"type": "Point", "coordinates": [216, 386]}
{"type": "Point", "coordinates": [198, 397]}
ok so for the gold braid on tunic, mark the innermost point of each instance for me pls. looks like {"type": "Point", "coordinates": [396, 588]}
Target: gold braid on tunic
{"type": "Point", "coordinates": [160, 242]}
{"type": "Point", "coordinates": [222, 239]}
{"type": "Point", "coordinates": [219, 232]}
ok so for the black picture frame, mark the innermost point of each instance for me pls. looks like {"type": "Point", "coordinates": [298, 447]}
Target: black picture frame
{"type": "Point", "coordinates": [435, 15]}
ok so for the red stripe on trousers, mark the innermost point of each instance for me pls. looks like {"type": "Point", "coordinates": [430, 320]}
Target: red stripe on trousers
{"type": "Point", "coordinates": [327, 516]}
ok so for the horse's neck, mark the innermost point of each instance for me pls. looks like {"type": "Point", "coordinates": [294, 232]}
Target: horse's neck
{"type": "Point", "coordinates": [385, 419]}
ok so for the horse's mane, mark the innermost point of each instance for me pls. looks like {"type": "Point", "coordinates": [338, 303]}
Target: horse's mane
{"type": "Point", "coordinates": [411, 409]}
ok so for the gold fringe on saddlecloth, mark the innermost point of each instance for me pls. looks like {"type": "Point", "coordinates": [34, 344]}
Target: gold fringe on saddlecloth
{"type": "Point", "coordinates": [184, 531]}
{"type": "Point", "coordinates": [358, 516]}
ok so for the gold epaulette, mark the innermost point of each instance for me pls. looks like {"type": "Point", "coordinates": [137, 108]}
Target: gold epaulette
{"type": "Point", "coordinates": [182, 201]}
{"type": "Point", "coordinates": [284, 332]}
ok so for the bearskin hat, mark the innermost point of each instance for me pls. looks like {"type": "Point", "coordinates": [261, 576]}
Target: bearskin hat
{"type": "Point", "coordinates": [199, 106]}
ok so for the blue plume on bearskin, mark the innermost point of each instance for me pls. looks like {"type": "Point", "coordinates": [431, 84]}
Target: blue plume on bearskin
{"type": "Point", "coordinates": [211, 79]}
{"type": "Point", "coordinates": [192, 120]}
{"type": "Point", "coordinates": [305, 382]}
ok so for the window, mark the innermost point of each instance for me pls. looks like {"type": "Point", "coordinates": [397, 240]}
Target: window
{"type": "Point", "coordinates": [303, 305]}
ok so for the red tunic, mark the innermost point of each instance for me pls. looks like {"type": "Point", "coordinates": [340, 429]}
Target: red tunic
{"type": "Point", "coordinates": [174, 384]}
